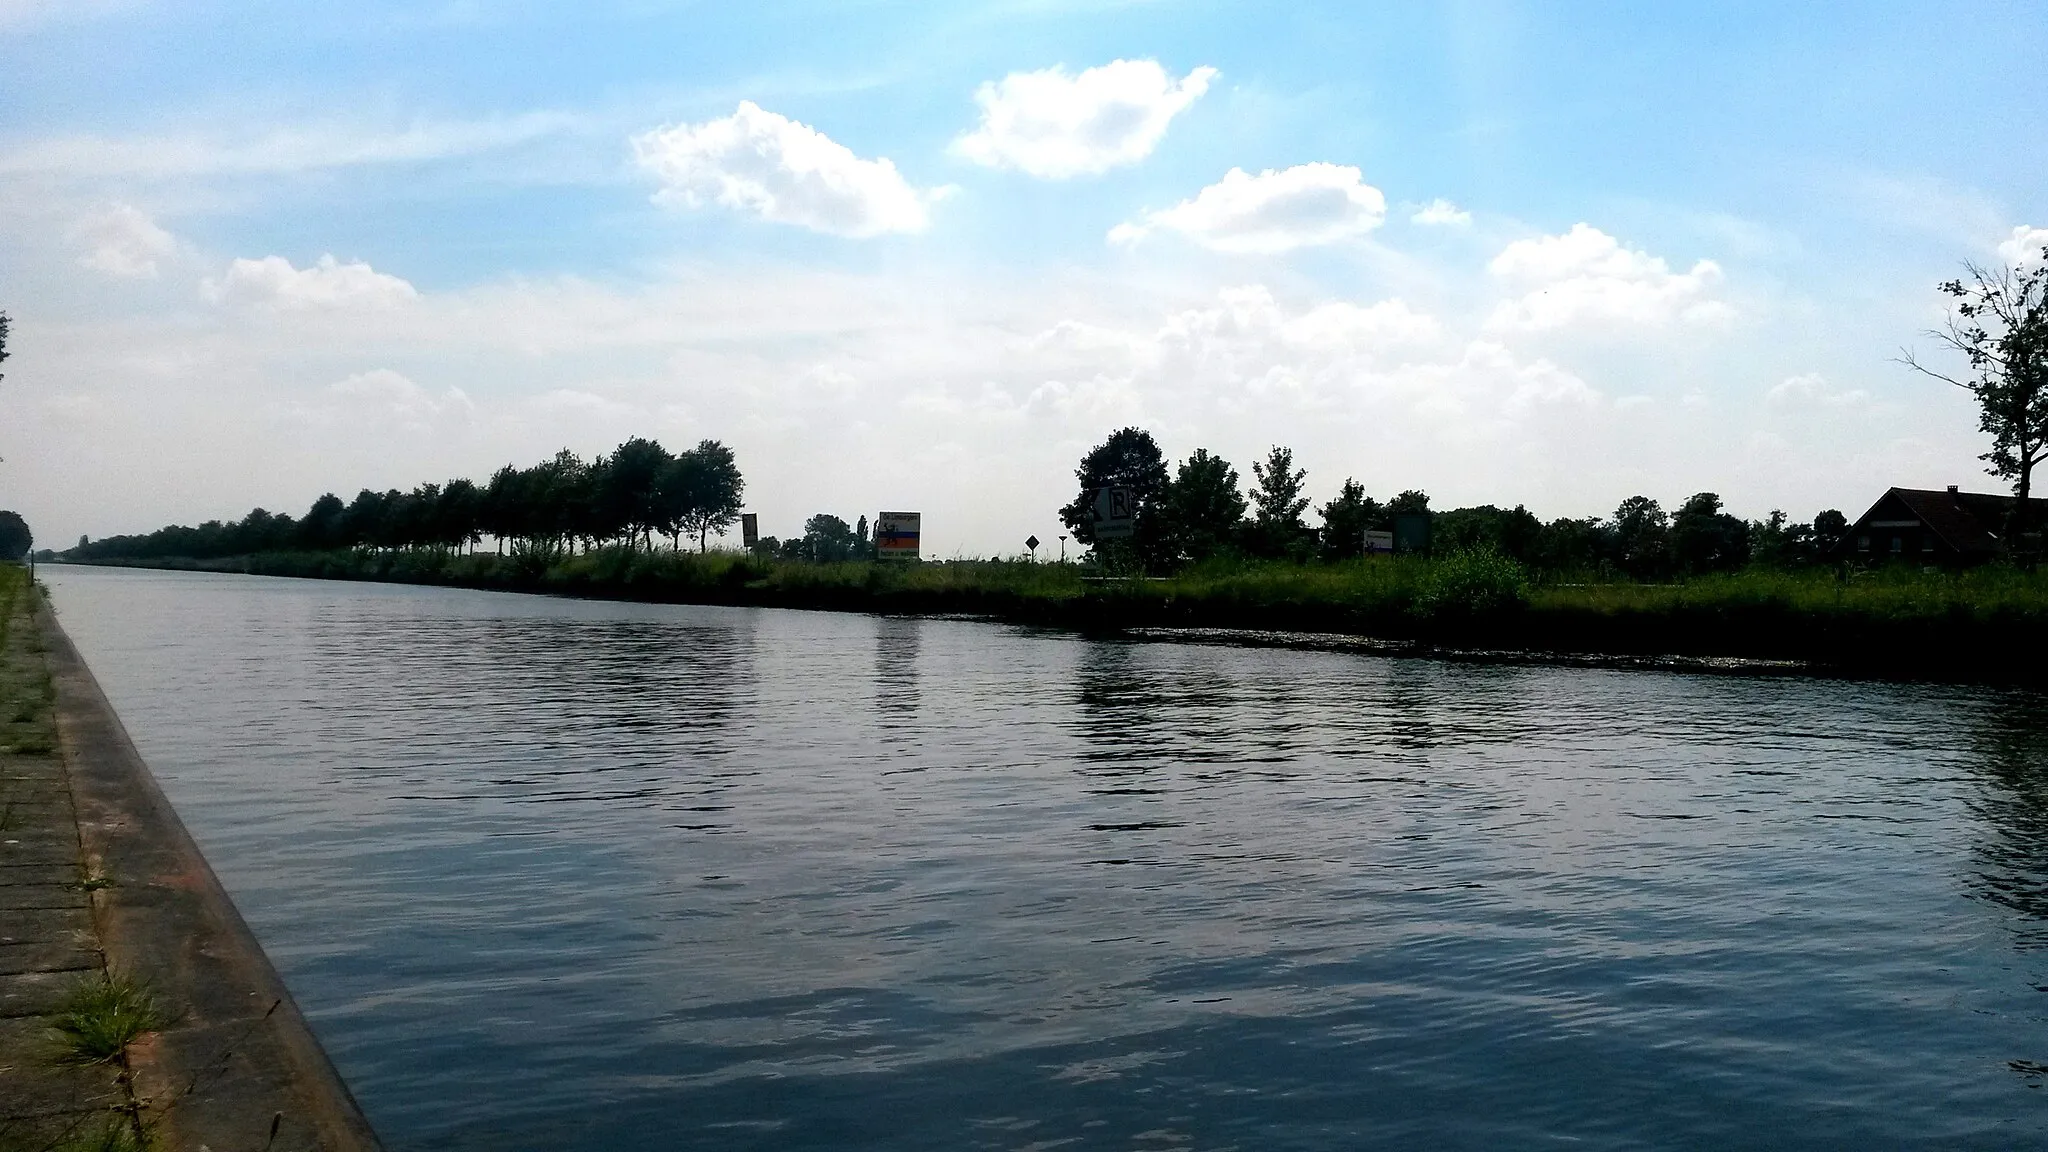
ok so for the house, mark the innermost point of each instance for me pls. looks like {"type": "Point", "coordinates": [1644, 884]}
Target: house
{"type": "Point", "coordinates": [1952, 527]}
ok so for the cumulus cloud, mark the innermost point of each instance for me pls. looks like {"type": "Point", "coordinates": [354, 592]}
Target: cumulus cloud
{"type": "Point", "coordinates": [1272, 212]}
{"type": "Point", "coordinates": [272, 282]}
{"type": "Point", "coordinates": [1441, 213]}
{"type": "Point", "coordinates": [388, 396]}
{"type": "Point", "coordinates": [1812, 388]}
{"type": "Point", "coordinates": [121, 240]}
{"type": "Point", "coordinates": [1054, 125]}
{"type": "Point", "coordinates": [1586, 276]}
{"type": "Point", "coordinates": [2024, 246]}
{"type": "Point", "coordinates": [773, 167]}
{"type": "Point", "coordinates": [1250, 353]}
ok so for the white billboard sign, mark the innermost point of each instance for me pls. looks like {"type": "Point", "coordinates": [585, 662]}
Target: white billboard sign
{"type": "Point", "coordinates": [1116, 513]}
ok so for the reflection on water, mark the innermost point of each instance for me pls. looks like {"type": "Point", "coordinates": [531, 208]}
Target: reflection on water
{"type": "Point", "coordinates": [564, 874]}
{"type": "Point", "coordinates": [2011, 741]}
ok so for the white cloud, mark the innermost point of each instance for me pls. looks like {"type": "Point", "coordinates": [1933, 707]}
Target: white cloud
{"type": "Point", "coordinates": [123, 241]}
{"type": "Point", "coordinates": [1812, 388]}
{"type": "Point", "coordinates": [775, 168]}
{"type": "Point", "coordinates": [1054, 126]}
{"type": "Point", "coordinates": [1586, 276]}
{"type": "Point", "coordinates": [1442, 213]}
{"type": "Point", "coordinates": [293, 148]}
{"type": "Point", "coordinates": [272, 282]}
{"type": "Point", "coordinates": [1385, 363]}
{"type": "Point", "coordinates": [1271, 212]}
{"type": "Point", "coordinates": [385, 397]}
{"type": "Point", "coordinates": [2024, 247]}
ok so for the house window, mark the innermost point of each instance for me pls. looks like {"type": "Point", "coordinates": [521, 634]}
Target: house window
{"type": "Point", "coordinates": [1927, 543]}
{"type": "Point", "coordinates": [1863, 543]}
{"type": "Point", "coordinates": [1898, 545]}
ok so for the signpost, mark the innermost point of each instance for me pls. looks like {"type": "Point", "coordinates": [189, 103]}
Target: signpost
{"type": "Point", "coordinates": [1379, 543]}
{"type": "Point", "coordinates": [896, 535]}
{"type": "Point", "coordinates": [1031, 543]}
{"type": "Point", "coordinates": [1116, 513]}
{"type": "Point", "coordinates": [750, 530]}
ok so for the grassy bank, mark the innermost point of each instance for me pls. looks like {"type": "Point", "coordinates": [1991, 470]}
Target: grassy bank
{"type": "Point", "coordinates": [1889, 622]}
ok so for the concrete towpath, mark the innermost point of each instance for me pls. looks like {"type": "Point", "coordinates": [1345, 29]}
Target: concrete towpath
{"type": "Point", "coordinates": [99, 879]}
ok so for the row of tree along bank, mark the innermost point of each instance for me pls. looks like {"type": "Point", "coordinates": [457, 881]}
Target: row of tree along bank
{"type": "Point", "coordinates": [1889, 622]}
{"type": "Point", "coordinates": [1199, 512]}
{"type": "Point", "coordinates": [1204, 553]}
{"type": "Point", "coordinates": [641, 492]}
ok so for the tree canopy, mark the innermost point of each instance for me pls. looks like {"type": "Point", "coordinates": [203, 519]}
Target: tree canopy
{"type": "Point", "coordinates": [1277, 505]}
{"type": "Point", "coordinates": [1999, 323]}
{"type": "Point", "coordinates": [15, 538]}
{"type": "Point", "coordinates": [1131, 459]}
{"type": "Point", "coordinates": [638, 491]}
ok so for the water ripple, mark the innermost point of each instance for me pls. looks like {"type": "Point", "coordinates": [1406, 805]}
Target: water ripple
{"type": "Point", "coordinates": [566, 874]}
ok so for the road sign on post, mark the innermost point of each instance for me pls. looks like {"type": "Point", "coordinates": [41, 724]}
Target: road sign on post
{"type": "Point", "coordinates": [750, 530]}
{"type": "Point", "coordinates": [1031, 543]}
{"type": "Point", "coordinates": [1116, 513]}
{"type": "Point", "coordinates": [896, 535]}
{"type": "Point", "coordinates": [1378, 543]}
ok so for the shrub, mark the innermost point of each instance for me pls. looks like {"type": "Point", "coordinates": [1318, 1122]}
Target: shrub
{"type": "Point", "coordinates": [1472, 586]}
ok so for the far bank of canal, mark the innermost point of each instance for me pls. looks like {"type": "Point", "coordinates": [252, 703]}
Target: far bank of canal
{"type": "Point", "coordinates": [136, 1008]}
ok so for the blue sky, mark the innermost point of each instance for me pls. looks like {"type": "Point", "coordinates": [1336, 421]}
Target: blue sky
{"type": "Point", "coordinates": [257, 253]}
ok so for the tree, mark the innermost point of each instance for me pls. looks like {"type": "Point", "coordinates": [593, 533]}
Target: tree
{"type": "Point", "coordinates": [1706, 539]}
{"type": "Point", "coordinates": [501, 512]}
{"type": "Point", "coordinates": [1641, 537]}
{"type": "Point", "coordinates": [2000, 325]}
{"type": "Point", "coordinates": [1514, 532]}
{"type": "Point", "coordinates": [1828, 530]}
{"type": "Point", "coordinates": [826, 539]}
{"type": "Point", "coordinates": [1346, 521]}
{"type": "Point", "coordinates": [1277, 501]}
{"type": "Point", "coordinates": [1202, 508]}
{"type": "Point", "coordinates": [1130, 458]}
{"type": "Point", "coordinates": [624, 490]}
{"type": "Point", "coordinates": [15, 538]}
{"type": "Point", "coordinates": [458, 515]}
{"type": "Point", "coordinates": [320, 528]}
{"type": "Point", "coordinates": [1411, 502]}
{"type": "Point", "coordinates": [712, 488]}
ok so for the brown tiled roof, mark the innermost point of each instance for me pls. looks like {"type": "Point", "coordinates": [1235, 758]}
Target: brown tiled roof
{"type": "Point", "coordinates": [1971, 522]}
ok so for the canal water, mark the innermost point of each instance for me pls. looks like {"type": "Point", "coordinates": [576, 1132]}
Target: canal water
{"type": "Point", "coordinates": [558, 874]}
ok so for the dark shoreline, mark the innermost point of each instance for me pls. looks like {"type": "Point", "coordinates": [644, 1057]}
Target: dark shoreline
{"type": "Point", "coordinates": [1747, 638]}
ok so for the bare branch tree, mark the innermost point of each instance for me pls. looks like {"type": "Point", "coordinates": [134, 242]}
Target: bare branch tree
{"type": "Point", "coordinates": [2000, 325]}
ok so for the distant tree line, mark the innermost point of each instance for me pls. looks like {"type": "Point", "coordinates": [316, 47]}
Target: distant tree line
{"type": "Point", "coordinates": [827, 539]}
{"type": "Point", "coordinates": [636, 494]}
{"type": "Point", "coordinates": [1198, 512]}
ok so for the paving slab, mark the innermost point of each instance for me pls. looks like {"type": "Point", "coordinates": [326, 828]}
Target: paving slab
{"type": "Point", "coordinates": [39, 874]}
{"type": "Point", "coordinates": [42, 925]}
{"type": "Point", "coordinates": [72, 955]}
{"type": "Point", "coordinates": [34, 1081]}
{"type": "Point", "coordinates": [52, 1131]}
{"type": "Point", "coordinates": [24, 897]}
{"type": "Point", "coordinates": [37, 993]}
